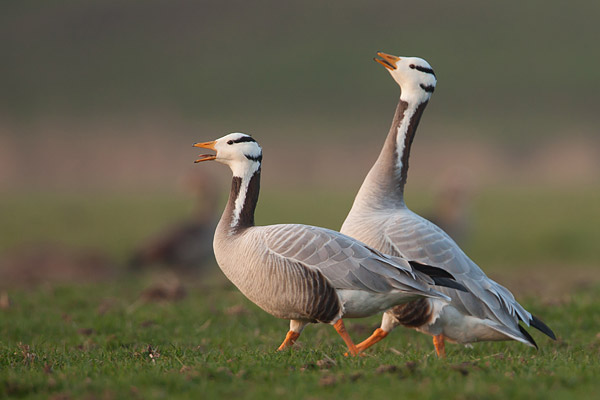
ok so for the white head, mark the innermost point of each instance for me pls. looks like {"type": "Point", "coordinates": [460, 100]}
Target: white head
{"type": "Point", "coordinates": [238, 150]}
{"type": "Point", "coordinates": [414, 75]}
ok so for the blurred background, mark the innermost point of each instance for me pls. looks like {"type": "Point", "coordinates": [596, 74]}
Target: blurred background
{"type": "Point", "coordinates": [100, 102]}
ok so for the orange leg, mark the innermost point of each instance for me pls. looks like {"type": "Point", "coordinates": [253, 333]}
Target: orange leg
{"type": "Point", "coordinates": [341, 329]}
{"type": "Point", "coordinates": [440, 345]}
{"type": "Point", "coordinates": [289, 341]}
{"type": "Point", "coordinates": [371, 340]}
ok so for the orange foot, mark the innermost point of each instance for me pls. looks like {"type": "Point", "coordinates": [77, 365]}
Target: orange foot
{"type": "Point", "coordinates": [371, 340]}
{"type": "Point", "coordinates": [289, 341]}
{"type": "Point", "coordinates": [341, 329]}
{"type": "Point", "coordinates": [440, 345]}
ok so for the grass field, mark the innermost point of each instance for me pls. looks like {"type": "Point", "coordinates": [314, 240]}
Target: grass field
{"type": "Point", "coordinates": [115, 339]}
{"type": "Point", "coordinates": [101, 342]}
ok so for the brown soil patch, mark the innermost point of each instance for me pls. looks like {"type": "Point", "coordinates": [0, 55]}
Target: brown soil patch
{"type": "Point", "coordinates": [35, 264]}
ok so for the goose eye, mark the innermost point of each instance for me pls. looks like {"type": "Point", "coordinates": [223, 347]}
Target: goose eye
{"type": "Point", "coordinates": [412, 66]}
{"type": "Point", "coordinates": [230, 142]}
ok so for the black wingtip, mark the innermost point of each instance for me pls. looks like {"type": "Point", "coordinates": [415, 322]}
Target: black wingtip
{"type": "Point", "coordinates": [528, 337]}
{"type": "Point", "coordinates": [449, 283]}
{"type": "Point", "coordinates": [440, 276]}
{"type": "Point", "coordinates": [433, 272]}
{"type": "Point", "coordinates": [542, 327]}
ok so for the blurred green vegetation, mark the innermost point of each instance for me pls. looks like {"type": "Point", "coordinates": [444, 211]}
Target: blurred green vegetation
{"type": "Point", "coordinates": [509, 228]}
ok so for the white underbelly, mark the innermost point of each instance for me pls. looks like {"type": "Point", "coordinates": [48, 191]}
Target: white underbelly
{"type": "Point", "coordinates": [460, 328]}
{"type": "Point", "coordinates": [360, 304]}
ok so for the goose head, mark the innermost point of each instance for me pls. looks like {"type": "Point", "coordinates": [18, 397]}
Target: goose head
{"type": "Point", "coordinates": [237, 150]}
{"type": "Point", "coordinates": [414, 75]}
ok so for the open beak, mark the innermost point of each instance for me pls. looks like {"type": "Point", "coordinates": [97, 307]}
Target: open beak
{"type": "Point", "coordinates": [387, 60]}
{"type": "Point", "coordinates": [206, 145]}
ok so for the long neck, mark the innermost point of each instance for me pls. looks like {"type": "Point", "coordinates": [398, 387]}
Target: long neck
{"type": "Point", "coordinates": [239, 212]}
{"type": "Point", "coordinates": [384, 185]}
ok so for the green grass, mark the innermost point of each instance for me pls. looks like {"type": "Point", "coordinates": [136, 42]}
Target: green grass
{"type": "Point", "coordinates": [95, 340]}
{"type": "Point", "coordinates": [56, 341]}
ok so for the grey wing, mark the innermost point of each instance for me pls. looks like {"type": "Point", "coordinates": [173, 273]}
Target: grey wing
{"type": "Point", "coordinates": [413, 237]}
{"type": "Point", "coordinates": [344, 261]}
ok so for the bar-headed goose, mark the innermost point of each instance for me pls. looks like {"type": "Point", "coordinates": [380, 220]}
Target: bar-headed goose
{"type": "Point", "coordinates": [304, 273]}
{"type": "Point", "coordinates": [380, 218]}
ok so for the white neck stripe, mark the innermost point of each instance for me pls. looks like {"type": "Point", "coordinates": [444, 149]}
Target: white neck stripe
{"type": "Point", "coordinates": [241, 198]}
{"type": "Point", "coordinates": [401, 134]}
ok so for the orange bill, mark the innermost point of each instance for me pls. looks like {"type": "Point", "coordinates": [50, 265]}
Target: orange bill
{"type": "Point", "coordinates": [206, 145]}
{"type": "Point", "coordinates": [387, 60]}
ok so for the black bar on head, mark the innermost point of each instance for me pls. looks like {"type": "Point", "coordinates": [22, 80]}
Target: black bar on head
{"type": "Point", "coordinates": [244, 139]}
{"type": "Point", "coordinates": [424, 69]}
{"type": "Point", "coordinates": [428, 88]}
{"type": "Point", "coordinates": [254, 158]}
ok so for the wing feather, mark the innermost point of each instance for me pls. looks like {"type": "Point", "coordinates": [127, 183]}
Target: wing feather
{"type": "Point", "coordinates": [413, 237]}
{"type": "Point", "coordinates": [345, 262]}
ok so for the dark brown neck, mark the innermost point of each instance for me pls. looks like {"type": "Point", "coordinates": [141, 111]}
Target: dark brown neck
{"type": "Point", "coordinates": [383, 188]}
{"type": "Point", "coordinates": [239, 212]}
{"type": "Point", "coordinates": [403, 153]}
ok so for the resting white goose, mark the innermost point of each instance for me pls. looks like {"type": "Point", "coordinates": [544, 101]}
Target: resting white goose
{"type": "Point", "coordinates": [304, 273]}
{"type": "Point", "coordinates": [379, 217]}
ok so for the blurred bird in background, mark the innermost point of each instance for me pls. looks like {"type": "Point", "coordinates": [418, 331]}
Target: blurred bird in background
{"type": "Point", "coordinates": [186, 245]}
